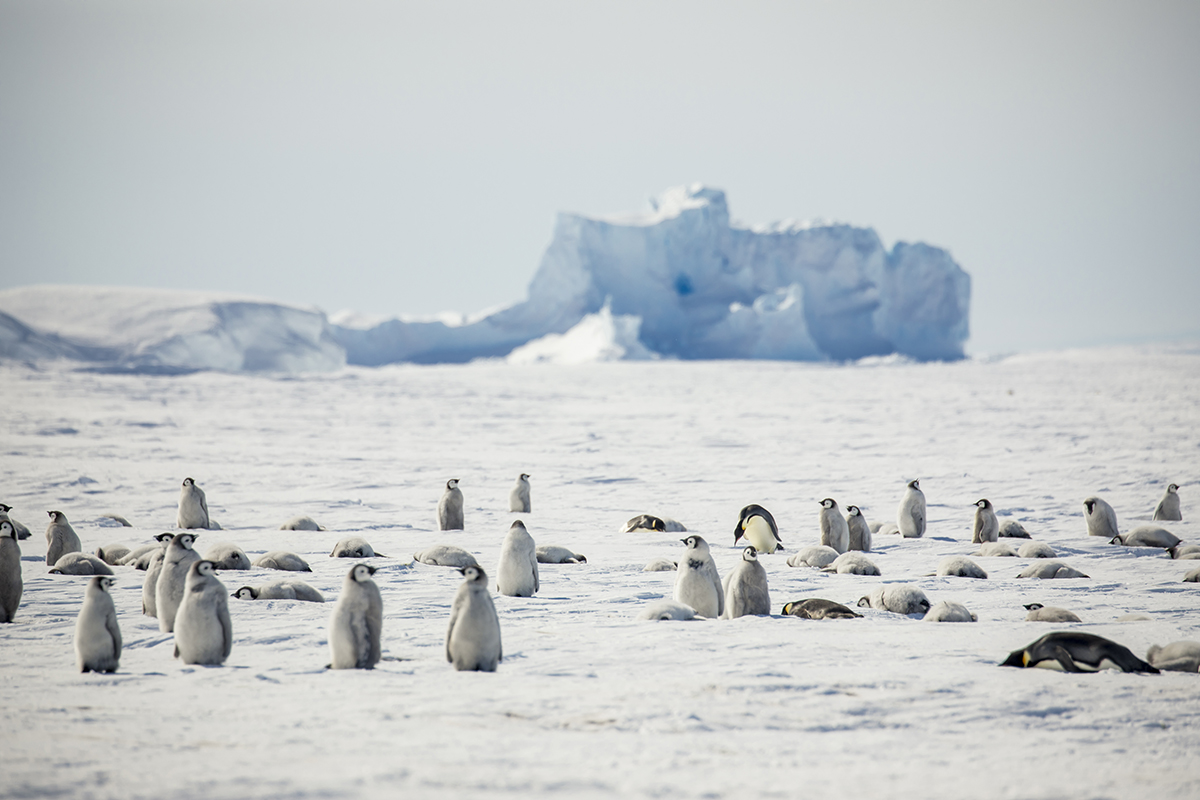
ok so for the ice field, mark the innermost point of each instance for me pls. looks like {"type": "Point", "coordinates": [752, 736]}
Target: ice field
{"type": "Point", "coordinates": [589, 702]}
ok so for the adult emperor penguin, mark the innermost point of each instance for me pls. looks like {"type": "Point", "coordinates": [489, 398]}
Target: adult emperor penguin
{"type": "Point", "coordinates": [698, 584]}
{"type": "Point", "coordinates": [97, 635]}
{"type": "Point", "coordinates": [169, 589]}
{"type": "Point", "coordinates": [473, 638]}
{"type": "Point", "coordinates": [759, 528]}
{"type": "Point", "coordinates": [11, 584]}
{"type": "Point", "coordinates": [1074, 651]}
{"type": "Point", "coordinates": [60, 538]}
{"type": "Point", "coordinates": [517, 575]}
{"type": "Point", "coordinates": [203, 631]}
{"type": "Point", "coordinates": [816, 608]}
{"type": "Point", "coordinates": [835, 532]}
{"type": "Point", "coordinates": [910, 516]}
{"type": "Point", "coordinates": [860, 531]}
{"type": "Point", "coordinates": [518, 498]}
{"type": "Point", "coordinates": [450, 507]}
{"type": "Point", "coordinates": [1101, 519]}
{"type": "Point", "coordinates": [22, 531]}
{"type": "Point", "coordinates": [356, 627]}
{"type": "Point", "coordinates": [987, 527]}
{"type": "Point", "coordinates": [1168, 508]}
{"type": "Point", "coordinates": [193, 506]}
{"type": "Point", "coordinates": [746, 588]}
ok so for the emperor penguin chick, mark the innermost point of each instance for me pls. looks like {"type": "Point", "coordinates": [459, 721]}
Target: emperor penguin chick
{"type": "Point", "coordinates": [835, 532]}
{"type": "Point", "coordinates": [356, 627]}
{"type": "Point", "coordinates": [153, 570]}
{"type": "Point", "coordinates": [759, 528]}
{"type": "Point", "coordinates": [860, 531]}
{"type": "Point", "coordinates": [518, 498]}
{"type": "Point", "coordinates": [22, 531]}
{"type": "Point", "coordinates": [910, 516]}
{"type": "Point", "coordinates": [60, 538]}
{"type": "Point", "coordinates": [11, 584]}
{"type": "Point", "coordinates": [450, 507]}
{"type": "Point", "coordinates": [1101, 519]}
{"type": "Point", "coordinates": [697, 583]}
{"type": "Point", "coordinates": [517, 575]}
{"type": "Point", "coordinates": [746, 588]}
{"type": "Point", "coordinates": [987, 527]}
{"type": "Point", "coordinates": [97, 635]}
{"type": "Point", "coordinates": [193, 506]}
{"type": "Point", "coordinates": [473, 638]}
{"type": "Point", "coordinates": [203, 631]}
{"type": "Point", "coordinates": [169, 589]}
{"type": "Point", "coordinates": [1168, 508]}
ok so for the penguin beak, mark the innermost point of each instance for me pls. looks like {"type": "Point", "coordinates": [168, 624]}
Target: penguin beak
{"type": "Point", "coordinates": [684, 541]}
{"type": "Point", "coordinates": [371, 570]}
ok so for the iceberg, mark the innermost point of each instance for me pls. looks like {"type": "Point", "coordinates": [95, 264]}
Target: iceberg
{"type": "Point", "coordinates": [166, 332]}
{"type": "Point", "coordinates": [596, 337]}
{"type": "Point", "coordinates": [703, 287]}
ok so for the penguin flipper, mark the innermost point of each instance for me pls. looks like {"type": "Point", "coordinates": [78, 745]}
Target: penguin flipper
{"type": "Point", "coordinates": [1064, 659]}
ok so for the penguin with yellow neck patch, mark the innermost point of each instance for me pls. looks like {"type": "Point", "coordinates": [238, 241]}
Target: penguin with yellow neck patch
{"type": "Point", "coordinates": [1073, 651]}
{"type": "Point", "coordinates": [758, 526]}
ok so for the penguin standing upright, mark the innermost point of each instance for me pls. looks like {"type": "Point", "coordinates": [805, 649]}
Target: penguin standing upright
{"type": "Point", "coordinates": [910, 516]}
{"type": "Point", "coordinates": [11, 584]}
{"type": "Point", "coordinates": [450, 507]}
{"type": "Point", "coordinates": [987, 527]}
{"type": "Point", "coordinates": [518, 498]}
{"type": "Point", "coordinates": [745, 588]}
{"type": "Point", "coordinates": [759, 528]}
{"type": "Point", "coordinates": [22, 531]}
{"type": "Point", "coordinates": [97, 635]}
{"type": "Point", "coordinates": [193, 506]}
{"type": "Point", "coordinates": [153, 570]}
{"type": "Point", "coordinates": [356, 626]}
{"type": "Point", "coordinates": [1101, 518]}
{"type": "Point", "coordinates": [1168, 508]}
{"type": "Point", "coordinates": [473, 638]}
{"type": "Point", "coordinates": [517, 575]}
{"type": "Point", "coordinates": [697, 583]}
{"type": "Point", "coordinates": [169, 589]}
{"type": "Point", "coordinates": [60, 538]}
{"type": "Point", "coordinates": [203, 630]}
{"type": "Point", "coordinates": [860, 531]}
{"type": "Point", "coordinates": [835, 532]}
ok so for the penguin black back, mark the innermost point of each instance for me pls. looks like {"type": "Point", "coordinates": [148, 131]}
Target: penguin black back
{"type": "Point", "coordinates": [1073, 651]}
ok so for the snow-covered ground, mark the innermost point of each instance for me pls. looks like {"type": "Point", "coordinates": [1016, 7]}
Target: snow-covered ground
{"type": "Point", "coordinates": [589, 702]}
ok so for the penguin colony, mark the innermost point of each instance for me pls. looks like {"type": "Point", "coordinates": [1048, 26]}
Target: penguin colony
{"type": "Point", "coordinates": [183, 591]}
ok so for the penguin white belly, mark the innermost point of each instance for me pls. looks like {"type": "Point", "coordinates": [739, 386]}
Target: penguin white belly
{"type": "Point", "coordinates": [758, 533]}
{"type": "Point", "coordinates": [199, 636]}
{"type": "Point", "coordinates": [93, 643]}
{"type": "Point", "coordinates": [697, 590]}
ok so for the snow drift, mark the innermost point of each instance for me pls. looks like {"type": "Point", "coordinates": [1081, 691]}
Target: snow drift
{"type": "Point", "coordinates": [703, 287]}
{"type": "Point", "coordinates": [161, 331]}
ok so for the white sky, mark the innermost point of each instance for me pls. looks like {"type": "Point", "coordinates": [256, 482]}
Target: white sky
{"type": "Point", "coordinates": [411, 158]}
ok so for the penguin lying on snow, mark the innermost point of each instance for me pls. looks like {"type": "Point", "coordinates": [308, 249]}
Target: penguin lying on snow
{"type": "Point", "coordinates": [1147, 536]}
{"type": "Point", "coordinates": [644, 522]}
{"type": "Point", "coordinates": [1177, 657]}
{"type": "Point", "coordinates": [280, 590]}
{"type": "Point", "coordinates": [553, 554]}
{"type": "Point", "coordinates": [816, 608]}
{"type": "Point", "coordinates": [282, 560]}
{"type": "Point", "coordinates": [301, 523]}
{"type": "Point", "coordinates": [445, 555]}
{"type": "Point", "coordinates": [817, 555]}
{"type": "Point", "coordinates": [1072, 651]}
{"type": "Point", "coordinates": [949, 611]}
{"type": "Point", "coordinates": [1041, 613]}
{"type": "Point", "coordinates": [354, 547]}
{"type": "Point", "coordinates": [80, 564]}
{"type": "Point", "coordinates": [667, 610]}
{"type": "Point", "coordinates": [852, 562]}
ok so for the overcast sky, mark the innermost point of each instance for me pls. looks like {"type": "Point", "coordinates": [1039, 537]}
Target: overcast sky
{"type": "Point", "coordinates": [394, 157]}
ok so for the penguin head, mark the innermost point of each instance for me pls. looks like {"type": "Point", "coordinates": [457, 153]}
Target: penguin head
{"type": "Point", "coordinates": [914, 484]}
{"type": "Point", "coordinates": [5, 508]}
{"type": "Point", "coordinates": [6, 529]}
{"type": "Point", "coordinates": [828, 502]}
{"type": "Point", "coordinates": [852, 511]}
{"type": "Point", "coordinates": [864, 602]}
{"type": "Point", "coordinates": [474, 574]}
{"type": "Point", "coordinates": [245, 593]}
{"type": "Point", "coordinates": [749, 553]}
{"type": "Point", "coordinates": [1116, 540]}
{"type": "Point", "coordinates": [787, 609]}
{"type": "Point", "coordinates": [1017, 658]}
{"type": "Point", "coordinates": [985, 504]}
{"type": "Point", "coordinates": [657, 524]}
{"type": "Point", "coordinates": [1173, 488]}
{"type": "Point", "coordinates": [581, 559]}
{"type": "Point", "coordinates": [164, 537]}
{"type": "Point", "coordinates": [517, 524]}
{"type": "Point", "coordinates": [1034, 606]}
{"type": "Point", "coordinates": [206, 568]}
{"type": "Point", "coordinates": [188, 482]}
{"type": "Point", "coordinates": [184, 540]}
{"type": "Point", "coordinates": [57, 516]}
{"type": "Point", "coordinates": [524, 476]}
{"type": "Point", "coordinates": [1090, 504]}
{"type": "Point", "coordinates": [104, 583]}
{"type": "Point", "coordinates": [694, 542]}
{"type": "Point", "coordinates": [361, 573]}
{"type": "Point", "coordinates": [452, 484]}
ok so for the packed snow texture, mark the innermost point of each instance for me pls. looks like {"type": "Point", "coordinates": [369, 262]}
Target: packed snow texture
{"type": "Point", "coordinates": [166, 332]}
{"type": "Point", "coordinates": [589, 701]}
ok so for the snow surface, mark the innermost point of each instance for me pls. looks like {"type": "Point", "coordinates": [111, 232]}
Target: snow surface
{"type": "Point", "coordinates": [590, 702]}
